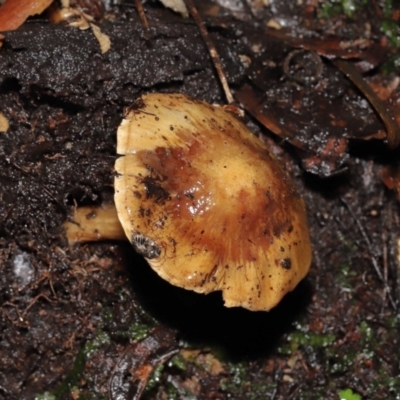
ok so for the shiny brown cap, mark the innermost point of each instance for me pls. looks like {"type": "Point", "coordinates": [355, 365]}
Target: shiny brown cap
{"type": "Point", "coordinates": [207, 204]}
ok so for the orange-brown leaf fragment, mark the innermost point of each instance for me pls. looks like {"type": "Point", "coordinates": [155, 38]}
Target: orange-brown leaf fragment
{"type": "Point", "coordinates": [13, 13]}
{"type": "Point", "coordinates": [207, 204]}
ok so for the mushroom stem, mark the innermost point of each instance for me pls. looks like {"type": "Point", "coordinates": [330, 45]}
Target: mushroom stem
{"type": "Point", "coordinates": [94, 223]}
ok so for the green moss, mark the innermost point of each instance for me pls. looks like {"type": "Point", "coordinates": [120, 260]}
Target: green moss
{"type": "Point", "coordinates": [138, 331]}
{"type": "Point", "coordinates": [92, 345]}
{"type": "Point", "coordinates": [135, 332]}
{"type": "Point", "coordinates": [343, 278]}
{"type": "Point", "coordinates": [341, 363]}
{"type": "Point", "coordinates": [45, 396]}
{"type": "Point", "coordinates": [311, 339]}
{"type": "Point", "coordinates": [178, 362]}
{"type": "Point", "coordinates": [367, 335]}
{"type": "Point", "coordinates": [368, 342]}
{"type": "Point", "coordinates": [238, 374]}
{"type": "Point", "coordinates": [107, 315]}
{"type": "Point", "coordinates": [348, 394]}
{"type": "Point", "coordinates": [349, 7]}
{"type": "Point", "coordinates": [331, 8]}
{"type": "Point", "coordinates": [391, 29]}
{"type": "Point", "coordinates": [392, 322]}
{"type": "Point", "coordinates": [74, 376]}
{"type": "Point", "coordinates": [238, 383]}
{"type": "Point", "coordinates": [388, 7]}
{"type": "Point", "coordinates": [385, 384]}
{"type": "Point", "coordinates": [237, 378]}
{"type": "Point", "coordinates": [155, 377]}
{"type": "Point", "coordinates": [302, 336]}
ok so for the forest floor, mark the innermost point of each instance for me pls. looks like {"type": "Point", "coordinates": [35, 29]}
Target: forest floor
{"type": "Point", "coordinates": [93, 321]}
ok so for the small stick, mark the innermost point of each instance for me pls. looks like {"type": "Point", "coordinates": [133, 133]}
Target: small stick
{"type": "Point", "coordinates": [373, 258]}
{"type": "Point", "coordinates": [385, 259]}
{"type": "Point", "coordinates": [211, 49]}
{"type": "Point", "coordinates": [142, 14]}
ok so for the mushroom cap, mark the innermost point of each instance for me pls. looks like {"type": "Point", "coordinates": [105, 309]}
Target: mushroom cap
{"type": "Point", "coordinates": [208, 206]}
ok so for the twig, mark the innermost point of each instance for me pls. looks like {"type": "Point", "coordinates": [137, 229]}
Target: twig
{"type": "Point", "coordinates": [19, 316]}
{"type": "Point", "coordinates": [295, 391]}
{"type": "Point", "coordinates": [373, 258]}
{"type": "Point", "coordinates": [142, 14]}
{"type": "Point", "coordinates": [396, 240]}
{"type": "Point", "coordinates": [33, 301]}
{"type": "Point", "coordinates": [392, 224]}
{"type": "Point", "coordinates": [385, 257]}
{"type": "Point", "coordinates": [211, 49]}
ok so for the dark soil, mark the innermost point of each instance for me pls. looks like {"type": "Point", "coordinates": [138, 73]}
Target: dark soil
{"type": "Point", "coordinates": [93, 321]}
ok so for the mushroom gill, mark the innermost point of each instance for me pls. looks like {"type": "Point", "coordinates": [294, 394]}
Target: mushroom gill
{"type": "Point", "coordinates": [204, 201]}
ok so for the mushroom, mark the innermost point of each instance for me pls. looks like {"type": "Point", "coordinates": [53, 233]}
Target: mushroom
{"type": "Point", "coordinates": [207, 204]}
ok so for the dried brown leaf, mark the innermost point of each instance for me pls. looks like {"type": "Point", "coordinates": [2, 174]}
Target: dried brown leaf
{"type": "Point", "coordinates": [13, 13]}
